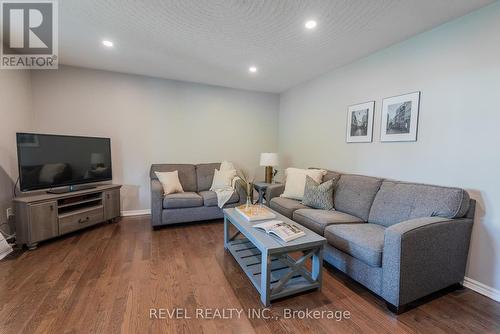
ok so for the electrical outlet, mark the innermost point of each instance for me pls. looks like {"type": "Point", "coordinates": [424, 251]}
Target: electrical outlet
{"type": "Point", "coordinates": [10, 213]}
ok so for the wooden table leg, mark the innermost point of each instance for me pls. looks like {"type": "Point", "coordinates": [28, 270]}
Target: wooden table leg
{"type": "Point", "coordinates": [265, 279]}
{"type": "Point", "coordinates": [317, 266]}
{"type": "Point", "coordinates": [226, 232]}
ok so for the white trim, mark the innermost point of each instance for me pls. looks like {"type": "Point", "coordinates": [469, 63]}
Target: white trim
{"type": "Point", "coordinates": [129, 213]}
{"type": "Point", "coordinates": [481, 288]}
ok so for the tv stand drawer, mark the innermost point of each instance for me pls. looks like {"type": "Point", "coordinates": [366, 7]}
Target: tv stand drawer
{"type": "Point", "coordinates": [81, 219]}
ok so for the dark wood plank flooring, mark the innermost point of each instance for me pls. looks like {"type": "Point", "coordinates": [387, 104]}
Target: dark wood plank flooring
{"type": "Point", "coordinates": [108, 278]}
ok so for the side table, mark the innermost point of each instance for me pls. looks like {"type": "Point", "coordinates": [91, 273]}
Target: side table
{"type": "Point", "coordinates": [261, 187]}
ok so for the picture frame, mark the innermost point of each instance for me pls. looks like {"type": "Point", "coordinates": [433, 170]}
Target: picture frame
{"type": "Point", "coordinates": [360, 122]}
{"type": "Point", "coordinates": [400, 118]}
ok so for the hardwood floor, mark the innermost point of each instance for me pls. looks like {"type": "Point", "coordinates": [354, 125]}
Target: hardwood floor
{"type": "Point", "coordinates": [108, 278]}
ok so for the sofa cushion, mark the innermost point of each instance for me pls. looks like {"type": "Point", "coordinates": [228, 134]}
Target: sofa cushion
{"type": "Point", "coordinates": [187, 174]}
{"type": "Point", "coordinates": [210, 198]}
{"type": "Point", "coordinates": [354, 194]}
{"type": "Point", "coordinates": [330, 175]}
{"type": "Point", "coordinates": [318, 196]}
{"type": "Point", "coordinates": [399, 201]}
{"type": "Point", "coordinates": [318, 220]}
{"type": "Point", "coordinates": [205, 175]}
{"type": "Point", "coordinates": [182, 200]}
{"type": "Point", "coordinates": [286, 206]}
{"type": "Point", "coordinates": [364, 242]}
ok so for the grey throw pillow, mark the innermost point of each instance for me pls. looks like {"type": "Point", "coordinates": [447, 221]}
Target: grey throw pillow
{"type": "Point", "coordinates": [318, 196]}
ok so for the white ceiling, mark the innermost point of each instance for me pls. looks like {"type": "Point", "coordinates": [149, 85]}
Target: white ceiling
{"type": "Point", "coordinates": [215, 41]}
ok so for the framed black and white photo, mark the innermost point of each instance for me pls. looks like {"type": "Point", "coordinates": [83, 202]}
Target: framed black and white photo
{"type": "Point", "coordinates": [400, 118]}
{"type": "Point", "coordinates": [360, 123]}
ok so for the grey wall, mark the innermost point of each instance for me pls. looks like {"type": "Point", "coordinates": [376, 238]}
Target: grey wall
{"type": "Point", "coordinates": [15, 115]}
{"type": "Point", "coordinates": [457, 69]}
{"type": "Point", "coordinates": [155, 121]}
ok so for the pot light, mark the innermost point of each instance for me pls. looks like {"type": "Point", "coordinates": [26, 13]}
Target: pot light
{"type": "Point", "coordinates": [252, 69]}
{"type": "Point", "coordinates": [107, 43]}
{"type": "Point", "coordinates": [311, 24]}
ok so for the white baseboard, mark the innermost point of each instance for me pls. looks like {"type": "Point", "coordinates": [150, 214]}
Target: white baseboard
{"type": "Point", "coordinates": [482, 288]}
{"type": "Point", "coordinates": [129, 213]}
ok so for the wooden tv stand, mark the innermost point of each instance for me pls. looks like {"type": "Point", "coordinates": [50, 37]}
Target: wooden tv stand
{"type": "Point", "coordinates": [42, 216]}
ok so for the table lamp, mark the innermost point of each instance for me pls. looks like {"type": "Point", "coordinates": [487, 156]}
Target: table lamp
{"type": "Point", "coordinates": [269, 160]}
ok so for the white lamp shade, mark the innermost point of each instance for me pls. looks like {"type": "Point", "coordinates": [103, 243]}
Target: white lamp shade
{"type": "Point", "coordinates": [269, 159]}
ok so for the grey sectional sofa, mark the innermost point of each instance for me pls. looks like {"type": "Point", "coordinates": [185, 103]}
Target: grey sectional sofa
{"type": "Point", "coordinates": [196, 203]}
{"type": "Point", "coordinates": [401, 240]}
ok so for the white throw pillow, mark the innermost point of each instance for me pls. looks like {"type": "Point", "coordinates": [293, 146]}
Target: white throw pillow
{"type": "Point", "coordinates": [296, 181]}
{"type": "Point", "coordinates": [226, 165]}
{"type": "Point", "coordinates": [170, 182]}
{"type": "Point", "coordinates": [222, 179]}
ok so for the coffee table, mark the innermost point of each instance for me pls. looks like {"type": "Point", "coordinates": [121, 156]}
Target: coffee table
{"type": "Point", "coordinates": [266, 260]}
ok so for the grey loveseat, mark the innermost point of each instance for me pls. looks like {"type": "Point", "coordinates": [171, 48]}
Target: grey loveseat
{"type": "Point", "coordinates": [401, 240]}
{"type": "Point", "coordinates": [196, 203]}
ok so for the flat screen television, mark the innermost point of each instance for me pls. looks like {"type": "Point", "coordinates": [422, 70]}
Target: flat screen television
{"type": "Point", "coordinates": [50, 161]}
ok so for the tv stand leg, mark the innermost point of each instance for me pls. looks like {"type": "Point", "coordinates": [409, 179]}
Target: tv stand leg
{"type": "Point", "coordinates": [32, 246]}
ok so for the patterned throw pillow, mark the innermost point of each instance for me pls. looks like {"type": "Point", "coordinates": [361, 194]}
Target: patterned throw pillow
{"type": "Point", "coordinates": [318, 196]}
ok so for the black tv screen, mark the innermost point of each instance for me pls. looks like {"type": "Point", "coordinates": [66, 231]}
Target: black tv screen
{"type": "Point", "coordinates": [49, 161]}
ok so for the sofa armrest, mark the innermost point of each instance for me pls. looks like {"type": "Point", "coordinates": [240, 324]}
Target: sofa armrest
{"type": "Point", "coordinates": [156, 202]}
{"type": "Point", "coordinates": [422, 256]}
{"type": "Point", "coordinates": [274, 191]}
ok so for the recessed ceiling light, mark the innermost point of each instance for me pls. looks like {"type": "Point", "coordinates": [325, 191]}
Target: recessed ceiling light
{"type": "Point", "coordinates": [107, 43]}
{"type": "Point", "coordinates": [252, 69]}
{"type": "Point", "coordinates": [311, 24]}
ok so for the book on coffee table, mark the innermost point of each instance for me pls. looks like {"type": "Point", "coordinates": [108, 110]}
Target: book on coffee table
{"type": "Point", "coordinates": [284, 231]}
{"type": "Point", "coordinates": [255, 212]}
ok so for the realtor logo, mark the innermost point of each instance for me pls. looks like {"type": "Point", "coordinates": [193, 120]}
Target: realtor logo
{"type": "Point", "coordinates": [29, 34]}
